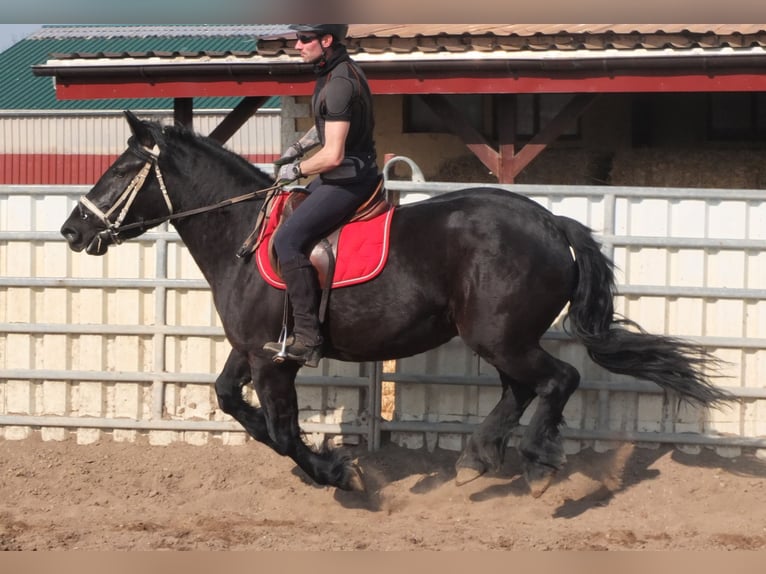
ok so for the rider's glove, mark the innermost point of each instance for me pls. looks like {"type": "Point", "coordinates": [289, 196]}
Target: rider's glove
{"type": "Point", "coordinates": [288, 173]}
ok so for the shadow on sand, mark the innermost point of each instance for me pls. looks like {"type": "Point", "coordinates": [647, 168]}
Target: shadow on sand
{"type": "Point", "coordinates": [611, 473]}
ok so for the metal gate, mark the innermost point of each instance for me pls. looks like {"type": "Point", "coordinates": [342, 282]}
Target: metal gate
{"type": "Point", "coordinates": [129, 344]}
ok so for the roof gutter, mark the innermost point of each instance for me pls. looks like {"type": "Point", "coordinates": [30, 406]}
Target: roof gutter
{"type": "Point", "coordinates": [138, 67]}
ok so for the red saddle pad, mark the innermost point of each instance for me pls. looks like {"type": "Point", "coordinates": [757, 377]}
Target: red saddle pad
{"type": "Point", "coordinates": [361, 254]}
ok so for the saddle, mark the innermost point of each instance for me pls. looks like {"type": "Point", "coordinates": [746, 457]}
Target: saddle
{"type": "Point", "coordinates": [363, 240]}
{"type": "Point", "coordinates": [324, 254]}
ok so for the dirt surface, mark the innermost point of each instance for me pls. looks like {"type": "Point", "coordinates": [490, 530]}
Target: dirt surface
{"type": "Point", "coordinates": [60, 495]}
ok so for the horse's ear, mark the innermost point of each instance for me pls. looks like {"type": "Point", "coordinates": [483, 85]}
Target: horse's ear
{"type": "Point", "coordinates": [140, 129]}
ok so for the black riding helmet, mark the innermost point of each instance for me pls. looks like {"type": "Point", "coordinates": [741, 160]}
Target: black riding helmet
{"type": "Point", "coordinates": [337, 31]}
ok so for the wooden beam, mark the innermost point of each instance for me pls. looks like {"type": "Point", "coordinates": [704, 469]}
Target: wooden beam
{"type": "Point", "coordinates": [550, 133]}
{"type": "Point", "coordinates": [237, 117]}
{"type": "Point", "coordinates": [506, 135]}
{"type": "Point", "coordinates": [183, 112]}
{"type": "Point", "coordinates": [456, 121]}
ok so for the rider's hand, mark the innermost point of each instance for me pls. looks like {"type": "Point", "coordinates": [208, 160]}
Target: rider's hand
{"type": "Point", "coordinates": [288, 173]}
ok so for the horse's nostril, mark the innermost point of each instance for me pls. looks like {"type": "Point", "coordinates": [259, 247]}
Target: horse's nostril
{"type": "Point", "coordinates": [71, 235]}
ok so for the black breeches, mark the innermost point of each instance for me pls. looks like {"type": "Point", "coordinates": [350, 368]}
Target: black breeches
{"type": "Point", "coordinates": [326, 207]}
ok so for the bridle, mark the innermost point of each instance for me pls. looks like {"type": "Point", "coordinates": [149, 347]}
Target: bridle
{"type": "Point", "coordinates": [112, 229]}
{"type": "Point", "coordinates": [128, 196]}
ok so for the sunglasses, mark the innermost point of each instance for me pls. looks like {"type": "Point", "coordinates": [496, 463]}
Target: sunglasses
{"type": "Point", "coordinates": [304, 39]}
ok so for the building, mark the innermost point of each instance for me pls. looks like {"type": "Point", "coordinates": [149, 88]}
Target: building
{"type": "Point", "coordinates": [46, 140]}
{"type": "Point", "coordinates": [648, 104]}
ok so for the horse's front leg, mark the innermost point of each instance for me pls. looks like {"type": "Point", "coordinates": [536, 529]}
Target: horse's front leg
{"type": "Point", "coordinates": [275, 386]}
{"type": "Point", "coordinates": [235, 375]}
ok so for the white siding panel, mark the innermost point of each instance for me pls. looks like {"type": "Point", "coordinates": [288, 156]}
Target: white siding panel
{"type": "Point", "coordinates": [688, 218]}
{"type": "Point", "coordinates": [756, 220]}
{"type": "Point", "coordinates": [107, 133]}
{"type": "Point", "coordinates": [686, 267]}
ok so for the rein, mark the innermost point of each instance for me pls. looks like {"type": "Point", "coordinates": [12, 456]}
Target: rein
{"type": "Point", "coordinates": [128, 196]}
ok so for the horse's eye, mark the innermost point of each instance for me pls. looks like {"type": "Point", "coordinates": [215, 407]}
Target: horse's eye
{"type": "Point", "coordinates": [118, 173]}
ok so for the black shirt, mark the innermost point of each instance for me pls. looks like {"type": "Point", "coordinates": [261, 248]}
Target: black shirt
{"type": "Point", "coordinates": [342, 94]}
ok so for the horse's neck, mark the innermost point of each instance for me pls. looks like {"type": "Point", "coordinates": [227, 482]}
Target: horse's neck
{"type": "Point", "coordinates": [213, 238]}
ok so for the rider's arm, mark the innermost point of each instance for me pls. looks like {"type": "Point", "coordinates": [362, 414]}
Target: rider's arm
{"type": "Point", "coordinates": [308, 141]}
{"type": "Point", "coordinates": [331, 153]}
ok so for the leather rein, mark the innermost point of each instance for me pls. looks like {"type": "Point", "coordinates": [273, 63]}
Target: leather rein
{"type": "Point", "coordinates": [127, 197]}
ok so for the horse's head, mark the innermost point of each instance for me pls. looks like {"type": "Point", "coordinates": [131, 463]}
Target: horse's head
{"type": "Point", "coordinates": [126, 199]}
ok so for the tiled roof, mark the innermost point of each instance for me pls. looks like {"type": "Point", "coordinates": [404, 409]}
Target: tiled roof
{"type": "Point", "coordinates": [24, 91]}
{"type": "Point", "coordinates": [430, 38]}
{"type": "Point", "coordinates": [413, 38]}
{"type": "Point", "coordinates": [60, 32]}
{"type": "Point", "coordinates": [192, 51]}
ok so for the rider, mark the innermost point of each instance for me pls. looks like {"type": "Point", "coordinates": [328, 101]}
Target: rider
{"type": "Point", "coordinates": [347, 173]}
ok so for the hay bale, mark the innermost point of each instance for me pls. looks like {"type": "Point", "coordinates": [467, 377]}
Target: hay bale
{"type": "Point", "coordinates": [721, 169]}
{"type": "Point", "coordinates": [552, 167]}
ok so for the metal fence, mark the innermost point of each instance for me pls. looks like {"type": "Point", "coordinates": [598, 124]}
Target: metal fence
{"type": "Point", "coordinates": [128, 344]}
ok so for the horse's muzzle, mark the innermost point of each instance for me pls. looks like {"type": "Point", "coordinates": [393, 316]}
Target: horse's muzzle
{"type": "Point", "coordinates": [100, 243]}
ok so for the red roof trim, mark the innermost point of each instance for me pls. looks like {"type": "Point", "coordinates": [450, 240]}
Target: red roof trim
{"type": "Point", "coordinates": [730, 81]}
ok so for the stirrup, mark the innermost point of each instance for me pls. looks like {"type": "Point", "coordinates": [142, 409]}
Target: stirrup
{"type": "Point", "coordinates": [280, 357]}
{"type": "Point", "coordinates": [283, 351]}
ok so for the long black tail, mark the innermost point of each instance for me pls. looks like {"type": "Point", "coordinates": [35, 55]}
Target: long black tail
{"type": "Point", "coordinates": [621, 345]}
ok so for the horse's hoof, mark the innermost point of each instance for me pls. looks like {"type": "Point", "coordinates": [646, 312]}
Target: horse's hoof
{"type": "Point", "coordinates": [356, 480]}
{"type": "Point", "coordinates": [539, 477]}
{"type": "Point", "coordinates": [466, 474]}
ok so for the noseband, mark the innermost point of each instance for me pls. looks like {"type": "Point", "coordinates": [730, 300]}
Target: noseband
{"type": "Point", "coordinates": [128, 196]}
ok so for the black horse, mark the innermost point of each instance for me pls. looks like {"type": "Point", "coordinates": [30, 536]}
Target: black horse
{"type": "Point", "coordinates": [487, 265]}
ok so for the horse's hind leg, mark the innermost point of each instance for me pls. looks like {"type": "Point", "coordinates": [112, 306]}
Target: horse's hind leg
{"type": "Point", "coordinates": [541, 448]}
{"type": "Point", "coordinates": [486, 446]}
{"type": "Point", "coordinates": [525, 374]}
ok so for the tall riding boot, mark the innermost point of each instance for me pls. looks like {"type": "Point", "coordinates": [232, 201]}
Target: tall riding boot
{"type": "Point", "coordinates": [305, 345]}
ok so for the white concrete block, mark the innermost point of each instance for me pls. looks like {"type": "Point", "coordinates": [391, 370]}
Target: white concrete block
{"type": "Point", "coordinates": [19, 397]}
{"type": "Point", "coordinates": [728, 451]}
{"type": "Point", "coordinates": [88, 436]}
{"type": "Point", "coordinates": [310, 398]}
{"type": "Point", "coordinates": [408, 440]}
{"type": "Point", "coordinates": [572, 446]}
{"type": "Point", "coordinates": [602, 446]}
{"type": "Point", "coordinates": [163, 438]}
{"type": "Point", "coordinates": [55, 399]}
{"type": "Point", "coordinates": [234, 438]}
{"type": "Point", "coordinates": [16, 433]}
{"type": "Point", "coordinates": [18, 351]}
{"type": "Point", "coordinates": [692, 449]}
{"type": "Point", "coordinates": [90, 399]}
{"type": "Point", "coordinates": [127, 400]}
{"type": "Point", "coordinates": [196, 438]}
{"type": "Point", "coordinates": [55, 434]}
{"type": "Point", "coordinates": [451, 441]}
{"type": "Point", "coordinates": [124, 435]}
{"type": "Point", "coordinates": [411, 401]}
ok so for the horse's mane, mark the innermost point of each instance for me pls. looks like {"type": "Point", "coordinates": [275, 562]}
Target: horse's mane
{"type": "Point", "coordinates": [213, 148]}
